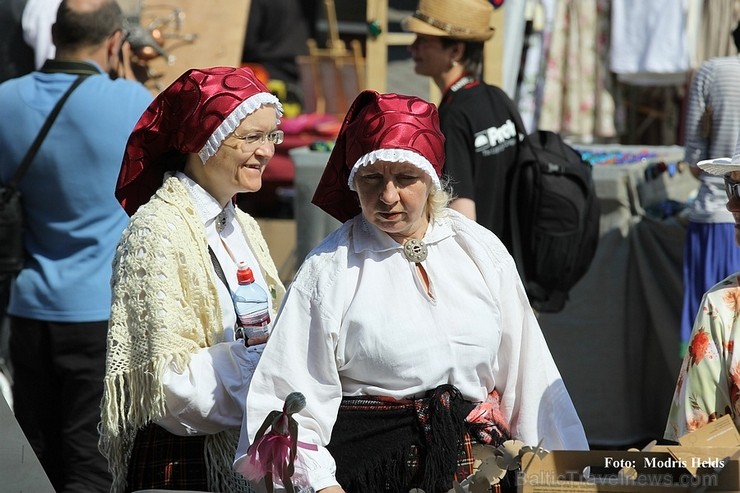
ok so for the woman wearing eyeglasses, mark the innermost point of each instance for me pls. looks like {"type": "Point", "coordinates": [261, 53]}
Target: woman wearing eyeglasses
{"type": "Point", "coordinates": [708, 384]}
{"type": "Point", "coordinates": [177, 375]}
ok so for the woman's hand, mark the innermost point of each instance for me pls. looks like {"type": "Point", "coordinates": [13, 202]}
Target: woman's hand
{"type": "Point", "coordinates": [253, 341]}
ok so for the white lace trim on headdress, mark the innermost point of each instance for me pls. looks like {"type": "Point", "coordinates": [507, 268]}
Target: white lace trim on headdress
{"type": "Point", "coordinates": [395, 156]}
{"type": "Point", "coordinates": [247, 107]}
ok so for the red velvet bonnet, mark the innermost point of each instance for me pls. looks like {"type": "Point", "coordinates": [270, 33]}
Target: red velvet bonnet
{"type": "Point", "coordinates": [193, 115]}
{"type": "Point", "coordinates": [379, 127]}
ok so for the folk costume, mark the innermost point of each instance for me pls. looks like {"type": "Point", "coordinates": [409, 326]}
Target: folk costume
{"type": "Point", "coordinates": [400, 380]}
{"type": "Point", "coordinates": [176, 379]}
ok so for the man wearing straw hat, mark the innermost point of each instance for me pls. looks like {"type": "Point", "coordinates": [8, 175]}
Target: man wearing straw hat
{"type": "Point", "coordinates": [480, 122]}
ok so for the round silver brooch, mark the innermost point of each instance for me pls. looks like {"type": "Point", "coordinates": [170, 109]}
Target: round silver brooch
{"type": "Point", "coordinates": [415, 250]}
{"type": "Point", "coordinates": [221, 221]}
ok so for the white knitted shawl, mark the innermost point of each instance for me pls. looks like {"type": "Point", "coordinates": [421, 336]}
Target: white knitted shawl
{"type": "Point", "coordinates": [165, 307]}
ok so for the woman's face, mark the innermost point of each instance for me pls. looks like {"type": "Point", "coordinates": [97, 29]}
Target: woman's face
{"type": "Point", "coordinates": [733, 204]}
{"type": "Point", "coordinates": [393, 197]}
{"type": "Point", "coordinates": [238, 164]}
{"type": "Point", "coordinates": [431, 57]}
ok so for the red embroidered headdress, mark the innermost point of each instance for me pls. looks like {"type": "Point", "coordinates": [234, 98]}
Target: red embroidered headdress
{"type": "Point", "coordinates": [379, 127]}
{"type": "Point", "coordinates": [193, 115]}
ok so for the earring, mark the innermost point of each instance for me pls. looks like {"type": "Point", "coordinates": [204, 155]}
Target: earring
{"type": "Point", "coordinates": [455, 63]}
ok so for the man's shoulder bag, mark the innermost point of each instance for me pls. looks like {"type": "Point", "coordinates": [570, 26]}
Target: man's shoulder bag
{"type": "Point", "coordinates": [12, 254]}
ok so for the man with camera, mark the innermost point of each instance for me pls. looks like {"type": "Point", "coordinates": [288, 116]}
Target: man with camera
{"type": "Point", "coordinates": [60, 301]}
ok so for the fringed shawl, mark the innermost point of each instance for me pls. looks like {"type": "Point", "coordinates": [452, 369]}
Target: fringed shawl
{"type": "Point", "coordinates": [165, 307]}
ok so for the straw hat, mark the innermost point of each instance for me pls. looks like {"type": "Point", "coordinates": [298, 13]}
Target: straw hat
{"type": "Point", "coordinates": [722, 165]}
{"type": "Point", "coordinates": [464, 20]}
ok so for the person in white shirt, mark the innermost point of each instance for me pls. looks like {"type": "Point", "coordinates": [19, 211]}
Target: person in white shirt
{"type": "Point", "coordinates": [177, 375]}
{"type": "Point", "coordinates": [410, 316]}
{"type": "Point", "coordinates": [38, 17]}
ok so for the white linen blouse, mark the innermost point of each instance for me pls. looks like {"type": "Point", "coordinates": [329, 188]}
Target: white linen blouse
{"type": "Point", "coordinates": [358, 320]}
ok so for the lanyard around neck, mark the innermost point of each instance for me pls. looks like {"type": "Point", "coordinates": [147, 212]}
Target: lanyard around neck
{"type": "Point", "coordinates": [457, 85]}
{"type": "Point", "coordinates": [69, 67]}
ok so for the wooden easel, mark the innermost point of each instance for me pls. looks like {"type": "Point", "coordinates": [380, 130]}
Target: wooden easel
{"type": "Point", "coordinates": [332, 76]}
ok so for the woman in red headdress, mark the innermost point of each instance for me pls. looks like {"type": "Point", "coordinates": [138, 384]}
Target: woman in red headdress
{"type": "Point", "coordinates": [177, 373]}
{"type": "Point", "coordinates": [407, 330]}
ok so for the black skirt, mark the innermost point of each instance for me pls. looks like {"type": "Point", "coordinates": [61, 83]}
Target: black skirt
{"type": "Point", "coordinates": [387, 445]}
{"type": "Point", "coordinates": [161, 460]}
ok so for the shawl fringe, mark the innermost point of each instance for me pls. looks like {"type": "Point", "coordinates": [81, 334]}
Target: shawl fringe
{"type": "Point", "coordinates": [141, 345]}
{"type": "Point", "coordinates": [131, 401]}
{"type": "Point", "coordinates": [219, 454]}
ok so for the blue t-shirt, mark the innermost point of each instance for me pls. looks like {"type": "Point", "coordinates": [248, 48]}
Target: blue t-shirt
{"type": "Point", "coordinates": [72, 218]}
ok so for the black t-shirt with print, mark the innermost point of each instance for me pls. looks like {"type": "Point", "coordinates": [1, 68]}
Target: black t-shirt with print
{"type": "Point", "coordinates": [482, 129]}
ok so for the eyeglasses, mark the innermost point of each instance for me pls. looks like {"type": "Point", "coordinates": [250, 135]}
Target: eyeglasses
{"type": "Point", "coordinates": [276, 137]}
{"type": "Point", "coordinates": [732, 188]}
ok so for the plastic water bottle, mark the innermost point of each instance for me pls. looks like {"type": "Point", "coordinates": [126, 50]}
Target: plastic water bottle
{"type": "Point", "coordinates": [250, 301]}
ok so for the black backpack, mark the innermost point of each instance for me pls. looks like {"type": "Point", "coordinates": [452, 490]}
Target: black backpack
{"type": "Point", "coordinates": [554, 218]}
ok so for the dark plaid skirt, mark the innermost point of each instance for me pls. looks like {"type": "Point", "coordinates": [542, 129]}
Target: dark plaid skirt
{"type": "Point", "coordinates": [387, 445]}
{"type": "Point", "coordinates": [161, 460]}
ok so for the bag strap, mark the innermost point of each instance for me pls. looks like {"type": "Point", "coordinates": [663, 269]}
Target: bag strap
{"type": "Point", "coordinates": [220, 273]}
{"type": "Point", "coordinates": [514, 230]}
{"type": "Point", "coordinates": [75, 67]}
{"type": "Point", "coordinates": [42, 134]}
{"type": "Point", "coordinates": [217, 267]}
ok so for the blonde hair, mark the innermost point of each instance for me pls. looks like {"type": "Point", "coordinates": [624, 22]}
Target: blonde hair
{"type": "Point", "coordinates": [439, 199]}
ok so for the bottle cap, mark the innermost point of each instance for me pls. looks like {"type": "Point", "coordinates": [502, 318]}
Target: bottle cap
{"type": "Point", "coordinates": [244, 274]}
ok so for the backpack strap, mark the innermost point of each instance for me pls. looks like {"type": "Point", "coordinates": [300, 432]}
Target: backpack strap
{"type": "Point", "coordinates": [534, 290]}
{"type": "Point", "coordinates": [515, 231]}
{"type": "Point", "coordinates": [31, 153]}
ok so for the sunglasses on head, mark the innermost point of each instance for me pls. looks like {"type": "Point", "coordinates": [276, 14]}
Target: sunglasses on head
{"type": "Point", "coordinates": [732, 188]}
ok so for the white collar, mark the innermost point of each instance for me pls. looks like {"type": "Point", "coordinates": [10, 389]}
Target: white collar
{"type": "Point", "coordinates": [205, 205]}
{"type": "Point", "coordinates": [368, 237]}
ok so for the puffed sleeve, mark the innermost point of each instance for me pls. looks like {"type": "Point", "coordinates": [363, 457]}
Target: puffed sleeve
{"type": "Point", "coordinates": [305, 326]}
{"type": "Point", "coordinates": [534, 397]}
{"type": "Point", "coordinates": [209, 395]}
